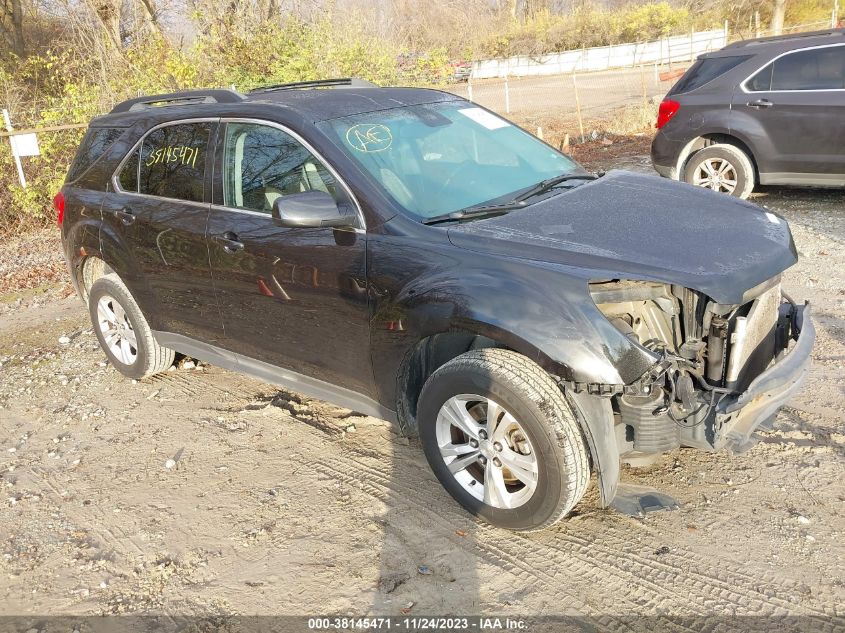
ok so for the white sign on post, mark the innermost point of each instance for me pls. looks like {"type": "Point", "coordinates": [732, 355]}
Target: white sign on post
{"type": "Point", "coordinates": [14, 145]}
{"type": "Point", "coordinates": [25, 144]}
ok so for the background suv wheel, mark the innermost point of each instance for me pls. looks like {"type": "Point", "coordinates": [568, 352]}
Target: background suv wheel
{"type": "Point", "coordinates": [123, 331]}
{"type": "Point", "coordinates": [501, 438]}
{"type": "Point", "coordinates": [721, 167]}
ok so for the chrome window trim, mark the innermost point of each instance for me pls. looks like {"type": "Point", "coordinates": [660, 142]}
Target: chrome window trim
{"type": "Point", "coordinates": [363, 225]}
{"type": "Point", "coordinates": [784, 54]}
{"type": "Point", "coordinates": [116, 183]}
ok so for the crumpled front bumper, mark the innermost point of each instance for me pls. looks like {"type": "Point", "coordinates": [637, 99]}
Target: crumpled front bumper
{"type": "Point", "coordinates": [738, 418]}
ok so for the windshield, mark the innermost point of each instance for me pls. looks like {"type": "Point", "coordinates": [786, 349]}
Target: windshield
{"type": "Point", "coordinates": [438, 158]}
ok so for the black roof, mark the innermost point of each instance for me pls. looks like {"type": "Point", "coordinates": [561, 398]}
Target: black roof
{"type": "Point", "coordinates": [320, 104]}
{"type": "Point", "coordinates": [314, 101]}
{"type": "Point", "coordinates": [781, 43]}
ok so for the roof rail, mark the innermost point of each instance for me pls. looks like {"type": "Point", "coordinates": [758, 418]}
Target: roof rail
{"type": "Point", "coordinates": [785, 37]}
{"type": "Point", "coordinates": [185, 97]}
{"type": "Point", "coordinates": [347, 82]}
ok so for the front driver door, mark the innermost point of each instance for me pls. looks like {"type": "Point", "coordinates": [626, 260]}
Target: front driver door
{"type": "Point", "coordinates": [295, 298]}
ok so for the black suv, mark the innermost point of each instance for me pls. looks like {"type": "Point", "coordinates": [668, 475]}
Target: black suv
{"type": "Point", "coordinates": [412, 256]}
{"type": "Point", "coordinates": [768, 111]}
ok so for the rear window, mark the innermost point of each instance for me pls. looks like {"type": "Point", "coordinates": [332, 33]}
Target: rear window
{"type": "Point", "coordinates": [95, 143]}
{"type": "Point", "coordinates": [706, 70]}
{"type": "Point", "coordinates": [816, 69]}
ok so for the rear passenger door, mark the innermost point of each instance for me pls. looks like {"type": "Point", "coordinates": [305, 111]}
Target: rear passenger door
{"type": "Point", "coordinates": [156, 214]}
{"type": "Point", "coordinates": [798, 100]}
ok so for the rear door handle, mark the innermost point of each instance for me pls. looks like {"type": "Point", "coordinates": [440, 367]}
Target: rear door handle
{"type": "Point", "coordinates": [760, 103]}
{"type": "Point", "coordinates": [229, 242]}
{"type": "Point", "coordinates": [125, 216]}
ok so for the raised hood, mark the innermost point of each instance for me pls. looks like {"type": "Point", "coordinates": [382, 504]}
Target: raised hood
{"type": "Point", "coordinates": [632, 226]}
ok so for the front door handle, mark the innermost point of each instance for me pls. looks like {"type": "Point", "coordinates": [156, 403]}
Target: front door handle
{"type": "Point", "coordinates": [229, 242]}
{"type": "Point", "coordinates": [760, 103]}
{"type": "Point", "coordinates": [125, 216]}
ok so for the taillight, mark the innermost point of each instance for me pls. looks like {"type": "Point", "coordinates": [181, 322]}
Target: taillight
{"type": "Point", "coordinates": [667, 110]}
{"type": "Point", "coordinates": [59, 206]}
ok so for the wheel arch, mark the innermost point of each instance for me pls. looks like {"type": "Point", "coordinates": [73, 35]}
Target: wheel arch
{"type": "Point", "coordinates": [715, 138]}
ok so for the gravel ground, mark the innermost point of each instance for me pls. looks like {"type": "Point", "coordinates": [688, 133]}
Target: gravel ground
{"type": "Point", "coordinates": [203, 492]}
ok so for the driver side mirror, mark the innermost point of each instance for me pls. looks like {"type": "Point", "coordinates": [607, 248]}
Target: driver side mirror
{"type": "Point", "coordinates": [311, 209]}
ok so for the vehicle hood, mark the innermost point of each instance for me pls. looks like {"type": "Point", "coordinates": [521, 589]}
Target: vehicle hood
{"type": "Point", "coordinates": [635, 226]}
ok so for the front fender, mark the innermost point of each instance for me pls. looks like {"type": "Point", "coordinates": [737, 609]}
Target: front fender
{"type": "Point", "coordinates": [541, 313]}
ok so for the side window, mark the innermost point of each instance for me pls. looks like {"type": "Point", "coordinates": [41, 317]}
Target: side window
{"type": "Point", "coordinates": [128, 177]}
{"type": "Point", "coordinates": [762, 81]}
{"type": "Point", "coordinates": [262, 163]}
{"type": "Point", "coordinates": [94, 145]}
{"type": "Point", "coordinates": [815, 69]}
{"type": "Point", "coordinates": [173, 161]}
{"type": "Point", "coordinates": [704, 71]}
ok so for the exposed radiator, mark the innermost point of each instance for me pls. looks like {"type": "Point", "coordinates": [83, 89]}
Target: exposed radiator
{"type": "Point", "coordinates": [752, 339]}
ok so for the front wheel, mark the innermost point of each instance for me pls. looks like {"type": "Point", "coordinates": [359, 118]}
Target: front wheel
{"type": "Point", "coordinates": [502, 439]}
{"type": "Point", "coordinates": [721, 167]}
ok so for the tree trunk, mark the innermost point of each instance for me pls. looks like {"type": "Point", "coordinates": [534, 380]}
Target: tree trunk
{"type": "Point", "coordinates": [152, 14]}
{"type": "Point", "coordinates": [778, 11]}
{"type": "Point", "coordinates": [108, 13]}
{"type": "Point", "coordinates": [11, 26]}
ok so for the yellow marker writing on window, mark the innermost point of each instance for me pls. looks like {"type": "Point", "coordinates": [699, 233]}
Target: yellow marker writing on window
{"type": "Point", "coordinates": [181, 154]}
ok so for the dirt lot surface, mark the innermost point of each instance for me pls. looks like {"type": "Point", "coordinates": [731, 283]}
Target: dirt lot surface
{"type": "Point", "coordinates": [204, 492]}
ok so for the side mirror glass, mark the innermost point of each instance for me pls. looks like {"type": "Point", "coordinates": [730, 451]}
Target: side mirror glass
{"type": "Point", "coordinates": [312, 209]}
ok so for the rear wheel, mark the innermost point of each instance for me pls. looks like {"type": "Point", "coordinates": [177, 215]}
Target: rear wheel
{"type": "Point", "coordinates": [502, 439]}
{"type": "Point", "coordinates": [722, 167]}
{"type": "Point", "coordinates": [123, 331]}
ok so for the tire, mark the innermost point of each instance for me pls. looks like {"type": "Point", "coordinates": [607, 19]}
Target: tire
{"type": "Point", "coordinates": [515, 389]}
{"type": "Point", "coordinates": [735, 162]}
{"type": "Point", "coordinates": [114, 312]}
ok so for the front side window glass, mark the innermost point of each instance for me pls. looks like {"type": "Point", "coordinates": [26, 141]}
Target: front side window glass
{"type": "Point", "coordinates": [815, 69]}
{"type": "Point", "coordinates": [263, 163]}
{"type": "Point", "coordinates": [441, 157]}
{"type": "Point", "coordinates": [173, 160]}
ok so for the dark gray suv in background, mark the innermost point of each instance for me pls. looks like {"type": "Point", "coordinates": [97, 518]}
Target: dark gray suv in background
{"type": "Point", "coordinates": [768, 111]}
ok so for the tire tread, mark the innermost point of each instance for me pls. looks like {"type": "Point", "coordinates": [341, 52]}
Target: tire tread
{"type": "Point", "coordinates": [157, 358]}
{"type": "Point", "coordinates": [527, 377]}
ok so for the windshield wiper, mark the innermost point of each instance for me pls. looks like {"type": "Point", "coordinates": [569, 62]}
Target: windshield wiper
{"type": "Point", "coordinates": [516, 203]}
{"type": "Point", "coordinates": [545, 185]}
{"type": "Point", "coordinates": [476, 212]}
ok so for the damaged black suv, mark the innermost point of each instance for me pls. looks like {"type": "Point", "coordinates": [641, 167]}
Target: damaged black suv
{"type": "Point", "coordinates": [409, 255]}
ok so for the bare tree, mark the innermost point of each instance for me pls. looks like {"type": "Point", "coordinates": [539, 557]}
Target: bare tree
{"type": "Point", "coordinates": [152, 15]}
{"type": "Point", "coordinates": [108, 13]}
{"type": "Point", "coordinates": [778, 12]}
{"type": "Point", "coordinates": [11, 26]}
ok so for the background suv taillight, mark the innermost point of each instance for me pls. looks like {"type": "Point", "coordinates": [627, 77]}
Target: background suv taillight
{"type": "Point", "coordinates": [668, 108]}
{"type": "Point", "coordinates": [59, 206]}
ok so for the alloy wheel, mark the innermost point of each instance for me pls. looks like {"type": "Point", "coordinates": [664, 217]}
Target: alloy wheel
{"type": "Point", "coordinates": [117, 331]}
{"type": "Point", "coordinates": [487, 451]}
{"type": "Point", "coordinates": [717, 174]}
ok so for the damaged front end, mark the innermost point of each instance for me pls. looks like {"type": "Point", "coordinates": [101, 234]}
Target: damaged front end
{"type": "Point", "coordinates": [724, 370]}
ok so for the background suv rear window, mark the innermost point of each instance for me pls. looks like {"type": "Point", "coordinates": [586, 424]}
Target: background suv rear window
{"type": "Point", "coordinates": [173, 161]}
{"type": "Point", "coordinates": [704, 71]}
{"type": "Point", "coordinates": [96, 141]}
